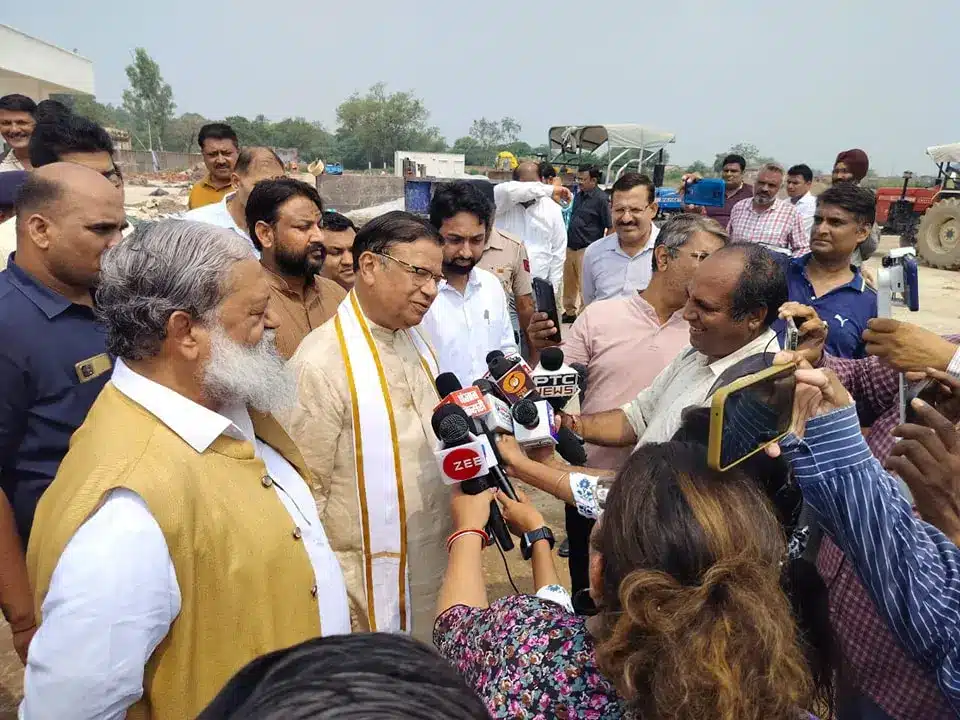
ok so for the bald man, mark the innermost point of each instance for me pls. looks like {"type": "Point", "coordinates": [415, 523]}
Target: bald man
{"type": "Point", "coordinates": [531, 210]}
{"type": "Point", "coordinates": [253, 165]}
{"type": "Point", "coordinates": [53, 358]}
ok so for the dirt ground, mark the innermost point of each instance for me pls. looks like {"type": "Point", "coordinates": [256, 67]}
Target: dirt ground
{"type": "Point", "coordinates": [940, 311]}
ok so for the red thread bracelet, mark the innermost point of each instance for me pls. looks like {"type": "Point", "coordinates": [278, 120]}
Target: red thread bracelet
{"type": "Point", "coordinates": [461, 533]}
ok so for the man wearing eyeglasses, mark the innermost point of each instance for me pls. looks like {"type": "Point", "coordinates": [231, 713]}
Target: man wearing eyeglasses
{"type": "Point", "coordinates": [284, 218]}
{"type": "Point", "coordinates": [365, 396]}
{"type": "Point", "coordinates": [620, 263]}
{"type": "Point", "coordinates": [470, 316]}
{"type": "Point", "coordinates": [71, 139]}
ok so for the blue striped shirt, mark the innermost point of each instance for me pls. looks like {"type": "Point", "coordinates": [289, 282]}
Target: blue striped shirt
{"type": "Point", "coordinates": [911, 569]}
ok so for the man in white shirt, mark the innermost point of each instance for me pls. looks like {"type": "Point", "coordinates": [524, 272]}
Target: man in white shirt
{"type": "Point", "coordinates": [530, 209]}
{"type": "Point", "coordinates": [734, 297]}
{"type": "Point", "coordinates": [622, 263]}
{"type": "Point", "coordinates": [470, 316]}
{"type": "Point", "coordinates": [799, 181]}
{"type": "Point", "coordinates": [178, 493]}
{"type": "Point", "coordinates": [253, 165]}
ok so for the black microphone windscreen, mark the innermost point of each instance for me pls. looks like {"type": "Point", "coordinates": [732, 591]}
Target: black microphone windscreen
{"type": "Point", "coordinates": [551, 358]}
{"type": "Point", "coordinates": [570, 448]}
{"type": "Point", "coordinates": [453, 430]}
{"type": "Point", "coordinates": [446, 411]}
{"type": "Point", "coordinates": [500, 367]}
{"type": "Point", "coordinates": [484, 385]}
{"type": "Point", "coordinates": [494, 355]}
{"type": "Point", "coordinates": [525, 412]}
{"type": "Point", "coordinates": [447, 383]}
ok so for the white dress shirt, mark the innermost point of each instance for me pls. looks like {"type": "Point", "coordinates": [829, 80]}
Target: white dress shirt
{"type": "Point", "coordinates": [464, 328]}
{"type": "Point", "coordinates": [114, 592]}
{"type": "Point", "coordinates": [218, 214]}
{"type": "Point", "coordinates": [610, 272]}
{"type": "Point", "coordinates": [655, 414]}
{"type": "Point", "coordinates": [540, 226]}
{"type": "Point", "coordinates": [806, 206]}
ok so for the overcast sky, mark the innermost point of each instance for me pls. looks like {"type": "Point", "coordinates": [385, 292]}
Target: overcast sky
{"type": "Point", "coordinates": [801, 80]}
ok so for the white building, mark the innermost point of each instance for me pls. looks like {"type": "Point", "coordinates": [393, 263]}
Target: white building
{"type": "Point", "coordinates": [38, 69]}
{"type": "Point", "coordinates": [442, 165]}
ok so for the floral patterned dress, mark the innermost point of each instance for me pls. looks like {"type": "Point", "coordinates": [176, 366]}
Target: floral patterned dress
{"type": "Point", "coordinates": [528, 659]}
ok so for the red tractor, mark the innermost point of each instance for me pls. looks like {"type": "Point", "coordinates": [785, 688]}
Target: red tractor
{"type": "Point", "coordinates": [928, 218]}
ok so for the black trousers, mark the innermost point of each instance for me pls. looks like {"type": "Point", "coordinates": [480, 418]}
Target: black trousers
{"type": "Point", "coordinates": [578, 533]}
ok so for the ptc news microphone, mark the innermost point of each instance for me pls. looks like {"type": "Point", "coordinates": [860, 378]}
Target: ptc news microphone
{"type": "Point", "coordinates": [555, 381]}
{"type": "Point", "coordinates": [464, 459]}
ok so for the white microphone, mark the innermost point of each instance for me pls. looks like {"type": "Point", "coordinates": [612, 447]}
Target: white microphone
{"type": "Point", "coordinates": [554, 380]}
{"type": "Point", "coordinates": [534, 423]}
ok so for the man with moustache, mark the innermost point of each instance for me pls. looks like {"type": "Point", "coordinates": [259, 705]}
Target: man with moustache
{"type": "Point", "coordinates": [339, 232]}
{"type": "Point", "coordinates": [768, 220]}
{"type": "Point", "coordinates": [621, 263]}
{"type": "Point", "coordinates": [365, 396]}
{"type": "Point", "coordinates": [470, 316]}
{"type": "Point", "coordinates": [16, 126]}
{"type": "Point", "coordinates": [284, 219]}
{"type": "Point", "coordinates": [179, 539]}
{"type": "Point", "coordinates": [220, 146]}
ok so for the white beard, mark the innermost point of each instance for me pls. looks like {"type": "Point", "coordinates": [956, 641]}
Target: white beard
{"type": "Point", "coordinates": [256, 376]}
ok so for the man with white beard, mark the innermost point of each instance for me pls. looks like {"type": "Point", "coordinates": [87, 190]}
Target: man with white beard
{"type": "Point", "coordinates": [179, 539]}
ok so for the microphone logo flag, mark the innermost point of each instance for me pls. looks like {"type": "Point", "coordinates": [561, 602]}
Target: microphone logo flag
{"type": "Point", "coordinates": [515, 382]}
{"type": "Point", "coordinates": [462, 463]}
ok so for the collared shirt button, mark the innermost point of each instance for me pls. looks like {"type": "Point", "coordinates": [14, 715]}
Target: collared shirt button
{"type": "Point", "coordinates": [297, 533]}
{"type": "Point", "coordinates": [266, 481]}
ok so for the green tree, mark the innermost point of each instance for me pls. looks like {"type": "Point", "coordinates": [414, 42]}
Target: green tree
{"type": "Point", "coordinates": [473, 154]}
{"type": "Point", "coordinates": [181, 132]}
{"type": "Point", "coordinates": [149, 99]}
{"type": "Point", "coordinates": [698, 167]}
{"type": "Point", "coordinates": [382, 123]}
{"type": "Point", "coordinates": [492, 135]}
{"type": "Point", "coordinates": [749, 151]}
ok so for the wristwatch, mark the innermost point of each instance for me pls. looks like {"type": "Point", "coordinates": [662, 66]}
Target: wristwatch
{"type": "Point", "coordinates": [529, 538]}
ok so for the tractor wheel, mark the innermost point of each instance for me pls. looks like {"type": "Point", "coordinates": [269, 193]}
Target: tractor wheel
{"type": "Point", "coordinates": [938, 237]}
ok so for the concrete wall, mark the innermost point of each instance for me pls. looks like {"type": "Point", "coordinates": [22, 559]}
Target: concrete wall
{"type": "Point", "coordinates": [36, 68]}
{"type": "Point", "coordinates": [140, 161]}
{"type": "Point", "coordinates": [352, 192]}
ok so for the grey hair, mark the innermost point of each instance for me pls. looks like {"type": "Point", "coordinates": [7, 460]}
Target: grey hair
{"type": "Point", "coordinates": [772, 167]}
{"type": "Point", "coordinates": [163, 267]}
{"type": "Point", "coordinates": [677, 230]}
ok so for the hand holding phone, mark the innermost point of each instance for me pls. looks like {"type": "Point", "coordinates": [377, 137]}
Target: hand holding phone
{"type": "Point", "coordinates": [545, 301]}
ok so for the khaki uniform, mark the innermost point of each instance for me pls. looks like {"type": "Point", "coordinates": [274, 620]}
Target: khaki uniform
{"type": "Point", "coordinates": [506, 257]}
{"type": "Point", "coordinates": [302, 308]}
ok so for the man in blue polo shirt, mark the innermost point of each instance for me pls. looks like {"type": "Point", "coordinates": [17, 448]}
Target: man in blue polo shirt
{"type": "Point", "coordinates": [53, 359]}
{"type": "Point", "coordinates": [826, 279]}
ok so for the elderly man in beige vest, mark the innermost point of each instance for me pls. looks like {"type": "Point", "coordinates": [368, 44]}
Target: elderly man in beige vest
{"type": "Point", "coordinates": [365, 397]}
{"type": "Point", "coordinates": [179, 539]}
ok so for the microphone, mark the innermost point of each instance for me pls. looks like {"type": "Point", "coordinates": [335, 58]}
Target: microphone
{"type": "Point", "coordinates": [473, 405]}
{"type": "Point", "coordinates": [570, 447]}
{"type": "Point", "coordinates": [513, 380]}
{"type": "Point", "coordinates": [534, 423]}
{"type": "Point", "coordinates": [463, 459]}
{"type": "Point", "coordinates": [555, 382]}
{"type": "Point", "coordinates": [498, 419]}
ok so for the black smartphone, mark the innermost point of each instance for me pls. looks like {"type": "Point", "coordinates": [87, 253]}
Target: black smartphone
{"type": "Point", "coordinates": [546, 302]}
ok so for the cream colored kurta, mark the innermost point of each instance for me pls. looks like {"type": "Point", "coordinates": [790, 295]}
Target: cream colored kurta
{"type": "Point", "coordinates": [322, 426]}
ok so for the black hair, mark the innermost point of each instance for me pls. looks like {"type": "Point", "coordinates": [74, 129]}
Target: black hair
{"type": "Point", "coordinates": [365, 676]}
{"type": "Point", "coordinates": [335, 222]}
{"type": "Point", "coordinates": [37, 192]}
{"type": "Point", "coordinates": [546, 170]}
{"type": "Point", "coordinates": [593, 170]}
{"type": "Point", "coordinates": [385, 231]}
{"type": "Point", "coordinates": [267, 196]}
{"type": "Point", "coordinates": [734, 158]}
{"type": "Point", "coordinates": [858, 201]}
{"type": "Point", "coordinates": [803, 170]}
{"type": "Point", "coordinates": [66, 134]}
{"type": "Point", "coordinates": [216, 131]}
{"type": "Point", "coordinates": [630, 180]}
{"type": "Point", "coordinates": [456, 197]}
{"type": "Point", "coordinates": [249, 154]}
{"type": "Point", "coordinates": [799, 579]}
{"type": "Point", "coordinates": [50, 110]}
{"type": "Point", "coordinates": [15, 102]}
{"type": "Point", "coordinates": [762, 283]}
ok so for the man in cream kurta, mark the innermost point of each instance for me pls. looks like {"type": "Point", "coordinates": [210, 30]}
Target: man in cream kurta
{"type": "Point", "coordinates": [334, 390]}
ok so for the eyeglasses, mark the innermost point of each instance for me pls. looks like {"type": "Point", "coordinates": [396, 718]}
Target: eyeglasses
{"type": "Point", "coordinates": [620, 212]}
{"type": "Point", "coordinates": [421, 275]}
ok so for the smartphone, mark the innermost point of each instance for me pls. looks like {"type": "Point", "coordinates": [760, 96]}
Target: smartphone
{"type": "Point", "coordinates": [792, 336]}
{"type": "Point", "coordinates": [546, 302]}
{"type": "Point", "coordinates": [709, 192]}
{"type": "Point", "coordinates": [749, 414]}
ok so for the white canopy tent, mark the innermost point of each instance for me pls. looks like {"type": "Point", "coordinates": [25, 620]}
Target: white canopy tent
{"type": "Point", "coordinates": [626, 144]}
{"type": "Point", "coordinates": [945, 153]}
